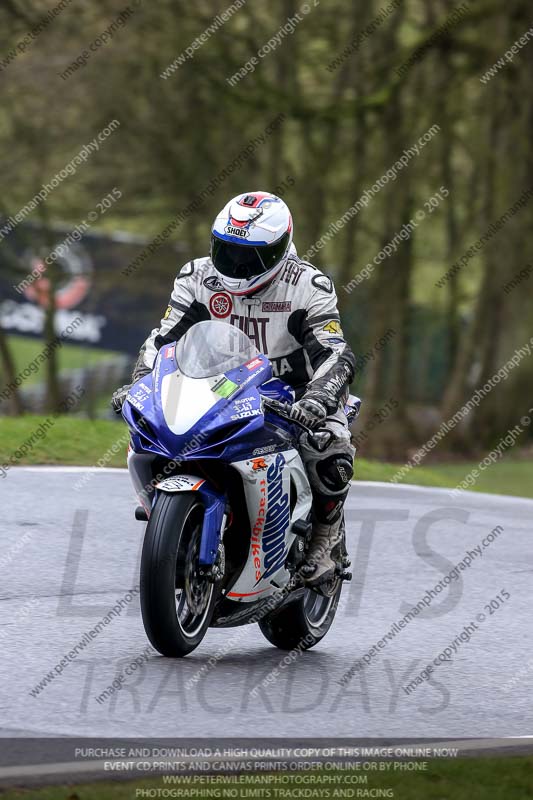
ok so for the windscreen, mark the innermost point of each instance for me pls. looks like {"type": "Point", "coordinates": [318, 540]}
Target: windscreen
{"type": "Point", "coordinates": [210, 348]}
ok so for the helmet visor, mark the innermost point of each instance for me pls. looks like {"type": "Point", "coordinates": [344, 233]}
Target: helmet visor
{"type": "Point", "coordinates": [244, 261]}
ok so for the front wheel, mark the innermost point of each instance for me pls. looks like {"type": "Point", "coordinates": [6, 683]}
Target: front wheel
{"type": "Point", "coordinates": [302, 621]}
{"type": "Point", "coordinates": [176, 601]}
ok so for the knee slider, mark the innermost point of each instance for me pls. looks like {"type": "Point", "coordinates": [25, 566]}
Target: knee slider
{"type": "Point", "coordinates": [335, 472]}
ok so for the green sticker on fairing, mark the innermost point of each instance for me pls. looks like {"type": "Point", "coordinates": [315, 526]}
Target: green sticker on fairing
{"type": "Point", "coordinates": [224, 387]}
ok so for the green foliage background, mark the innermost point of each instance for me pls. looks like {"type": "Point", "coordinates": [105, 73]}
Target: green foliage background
{"type": "Point", "coordinates": [343, 127]}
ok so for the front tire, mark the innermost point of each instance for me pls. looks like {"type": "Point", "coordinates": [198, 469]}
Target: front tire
{"type": "Point", "coordinates": [302, 621]}
{"type": "Point", "coordinates": [176, 601]}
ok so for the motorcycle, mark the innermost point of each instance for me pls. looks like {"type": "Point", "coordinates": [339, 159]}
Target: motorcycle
{"type": "Point", "coordinates": [214, 462]}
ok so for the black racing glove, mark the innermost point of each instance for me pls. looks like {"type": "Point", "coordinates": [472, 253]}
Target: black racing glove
{"type": "Point", "coordinates": [309, 411]}
{"type": "Point", "coordinates": [117, 401]}
{"type": "Point", "coordinates": [139, 371]}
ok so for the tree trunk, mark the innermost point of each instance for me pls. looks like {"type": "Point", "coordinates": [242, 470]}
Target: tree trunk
{"type": "Point", "coordinates": [9, 370]}
{"type": "Point", "coordinates": [457, 388]}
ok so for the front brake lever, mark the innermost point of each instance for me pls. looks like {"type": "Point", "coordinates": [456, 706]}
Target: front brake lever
{"type": "Point", "coordinates": [283, 410]}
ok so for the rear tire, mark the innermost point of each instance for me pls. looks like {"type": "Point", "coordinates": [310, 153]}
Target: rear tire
{"type": "Point", "coordinates": [302, 621]}
{"type": "Point", "coordinates": [176, 601]}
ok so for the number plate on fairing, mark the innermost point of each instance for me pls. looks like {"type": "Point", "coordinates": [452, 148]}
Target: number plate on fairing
{"type": "Point", "coordinates": [181, 483]}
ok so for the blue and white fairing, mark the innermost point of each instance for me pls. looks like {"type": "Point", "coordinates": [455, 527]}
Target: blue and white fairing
{"type": "Point", "coordinates": [182, 413]}
{"type": "Point", "coordinates": [268, 499]}
{"type": "Point", "coordinates": [203, 401]}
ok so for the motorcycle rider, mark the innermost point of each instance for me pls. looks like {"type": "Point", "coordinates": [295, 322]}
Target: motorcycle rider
{"type": "Point", "coordinates": [253, 279]}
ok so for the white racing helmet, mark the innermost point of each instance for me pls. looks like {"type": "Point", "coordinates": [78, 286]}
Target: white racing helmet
{"type": "Point", "coordinates": [250, 241]}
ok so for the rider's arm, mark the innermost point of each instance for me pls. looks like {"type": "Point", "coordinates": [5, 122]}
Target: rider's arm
{"type": "Point", "coordinates": [182, 312]}
{"type": "Point", "coordinates": [321, 335]}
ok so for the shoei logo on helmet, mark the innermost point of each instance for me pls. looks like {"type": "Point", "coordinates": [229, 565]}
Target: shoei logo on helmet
{"type": "Point", "coordinates": [220, 305]}
{"type": "Point", "coordinates": [231, 230]}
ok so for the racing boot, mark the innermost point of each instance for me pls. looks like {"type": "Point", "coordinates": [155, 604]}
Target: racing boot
{"type": "Point", "coordinates": [319, 565]}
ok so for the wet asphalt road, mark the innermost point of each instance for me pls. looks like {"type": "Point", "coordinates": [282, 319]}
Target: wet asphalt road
{"type": "Point", "coordinates": [67, 554]}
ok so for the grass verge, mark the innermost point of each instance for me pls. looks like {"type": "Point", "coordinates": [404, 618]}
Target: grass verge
{"type": "Point", "coordinates": [25, 350]}
{"type": "Point", "coordinates": [69, 441]}
{"type": "Point", "coordinates": [74, 441]}
{"type": "Point", "coordinates": [499, 778]}
{"type": "Point", "coordinates": [507, 476]}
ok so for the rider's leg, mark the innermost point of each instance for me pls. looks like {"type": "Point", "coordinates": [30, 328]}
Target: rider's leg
{"type": "Point", "coordinates": [328, 458]}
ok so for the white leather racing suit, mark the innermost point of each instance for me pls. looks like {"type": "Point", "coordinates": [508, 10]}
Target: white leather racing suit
{"type": "Point", "coordinates": [295, 322]}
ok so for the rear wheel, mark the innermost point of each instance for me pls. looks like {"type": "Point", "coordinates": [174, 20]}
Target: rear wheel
{"type": "Point", "coordinates": [176, 601]}
{"type": "Point", "coordinates": [303, 620]}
